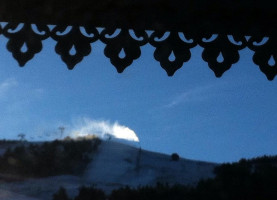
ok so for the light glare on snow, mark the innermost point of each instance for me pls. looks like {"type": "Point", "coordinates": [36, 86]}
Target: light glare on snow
{"type": "Point", "coordinates": [103, 129]}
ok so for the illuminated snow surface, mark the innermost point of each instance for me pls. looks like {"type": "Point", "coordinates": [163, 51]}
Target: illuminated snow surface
{"type": "Point", "coordinates": [114, 165]}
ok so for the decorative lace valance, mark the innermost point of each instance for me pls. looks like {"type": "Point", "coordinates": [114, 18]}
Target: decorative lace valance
{"type": "Point", "coordinates": [172, 27]}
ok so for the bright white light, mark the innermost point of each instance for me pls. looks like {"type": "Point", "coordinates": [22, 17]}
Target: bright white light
{"type": "Point", "coordinates": [103, 129]}
{"type": "Point", "coordinates": [124, 132]}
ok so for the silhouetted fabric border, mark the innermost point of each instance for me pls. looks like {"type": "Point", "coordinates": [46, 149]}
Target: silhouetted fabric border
{"type": "Point", "coordinates": [219, 26]}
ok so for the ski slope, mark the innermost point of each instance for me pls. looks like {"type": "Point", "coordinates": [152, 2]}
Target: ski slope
{"type": "Point", "coordinates": [114, 165]}
{"type": "Point", "coordinates": [117, 164]}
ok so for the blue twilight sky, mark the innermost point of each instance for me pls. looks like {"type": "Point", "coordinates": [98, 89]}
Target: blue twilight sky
{"type": "Point", "coordinates": [192, 113]}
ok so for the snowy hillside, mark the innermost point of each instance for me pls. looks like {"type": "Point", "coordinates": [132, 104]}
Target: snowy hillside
{"type": "Point", "coordinates": [118, 164]}
{"type": "Point", "coordinates": [114, 165]}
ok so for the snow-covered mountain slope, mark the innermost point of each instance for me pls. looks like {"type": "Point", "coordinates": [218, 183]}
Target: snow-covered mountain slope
{"type": "Point", "coordinates": [117, 164]}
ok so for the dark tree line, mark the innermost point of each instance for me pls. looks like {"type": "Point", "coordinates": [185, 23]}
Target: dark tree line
{"type": "Point", "coordinates": [254, 179]}
{"type": "Point", "coordinates": [49, 158]}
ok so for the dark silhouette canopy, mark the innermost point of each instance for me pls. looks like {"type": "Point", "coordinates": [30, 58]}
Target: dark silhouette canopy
{"type": "Point", "coordinates": [187, 23]}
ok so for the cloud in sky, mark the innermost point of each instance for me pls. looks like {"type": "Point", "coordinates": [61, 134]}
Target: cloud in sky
{"type": "Point", "coordinates": [6, 85]}
{"type": "Point", "coordinates": [102, 129]}
{"type": "Point", "coordinates": [16, 96]}
{"type": "Point", "coordinates": [16, 103]}
{"type": "Point", "coordinates": [195, 94]}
